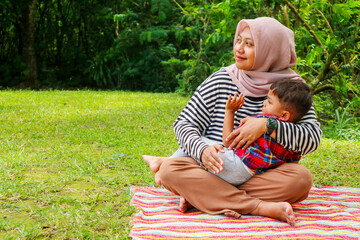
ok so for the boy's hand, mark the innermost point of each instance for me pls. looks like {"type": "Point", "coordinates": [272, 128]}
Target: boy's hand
{"type": "Point", "coordinates": [234, 104]}
{"type": "Point", "coordinates": [211, 159]}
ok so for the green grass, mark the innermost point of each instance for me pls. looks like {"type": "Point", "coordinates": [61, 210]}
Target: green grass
{"type": "Point", "coordinates": [68, 159]}
{"type": "Point", "coordinates": [335, 163]}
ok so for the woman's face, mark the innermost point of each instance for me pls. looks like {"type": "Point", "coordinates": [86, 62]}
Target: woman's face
{"type": "Point", "coordinates": [244, 50]}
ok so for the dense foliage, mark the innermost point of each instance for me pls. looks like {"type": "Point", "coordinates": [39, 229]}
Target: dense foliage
{"type": "Point", "coordinates": [168, 45]}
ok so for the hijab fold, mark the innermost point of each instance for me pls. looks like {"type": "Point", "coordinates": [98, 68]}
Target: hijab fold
{"type": "Point", "coordinates": [274, 55]}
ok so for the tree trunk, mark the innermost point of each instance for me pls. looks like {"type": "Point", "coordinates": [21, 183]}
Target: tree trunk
{"type": "Point", "coordinates": [28, 34]}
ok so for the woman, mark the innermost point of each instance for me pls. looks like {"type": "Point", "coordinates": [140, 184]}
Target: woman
{"type": "Point", "coordinates": [264, 51]}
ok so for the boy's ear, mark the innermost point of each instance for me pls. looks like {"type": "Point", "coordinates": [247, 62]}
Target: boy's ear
{"type": "Point", "coordinates": [285, 116]}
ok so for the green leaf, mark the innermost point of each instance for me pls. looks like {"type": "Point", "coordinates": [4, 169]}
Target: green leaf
{"type": "Point", "coordinates": [119, 17]}
{"type": "Point", "coordinates": [162, 15]}
{"type": "Point", "coordinates": [184, 51]}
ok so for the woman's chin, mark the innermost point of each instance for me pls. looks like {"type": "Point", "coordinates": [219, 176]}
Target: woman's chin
{"type": "Point", "coordinates": [242, 65]}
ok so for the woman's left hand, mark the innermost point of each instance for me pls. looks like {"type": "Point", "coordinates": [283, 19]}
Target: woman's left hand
{"type": "Point", "coordinates": [250, 130]}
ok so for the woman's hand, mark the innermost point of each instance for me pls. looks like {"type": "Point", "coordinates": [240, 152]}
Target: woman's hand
{"type": "Point", "coordinates": [234, 104]}
{"type": "Point", "coordinates": [250, 130]}
{"type": "Point", "coordinates": [211, 159]}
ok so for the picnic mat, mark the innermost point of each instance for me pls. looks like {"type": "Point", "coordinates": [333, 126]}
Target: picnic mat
{"type": "Point", "coordinates": [328, 213]}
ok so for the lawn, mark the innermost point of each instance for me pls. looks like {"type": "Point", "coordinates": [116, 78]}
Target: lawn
{"type": "Point", "coordinates": [68, 159]}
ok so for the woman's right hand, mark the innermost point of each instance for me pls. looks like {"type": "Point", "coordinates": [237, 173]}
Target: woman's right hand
{"type": "Point", "coordinates": [211, 159]}
{"type": "Point", "coordinates": [250, 130]}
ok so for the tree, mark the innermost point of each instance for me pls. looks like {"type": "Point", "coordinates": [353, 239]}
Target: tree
{"type": "Point", "coordinates": [28, 38]}
{"type": "Point", "coordinates": [331, 60]}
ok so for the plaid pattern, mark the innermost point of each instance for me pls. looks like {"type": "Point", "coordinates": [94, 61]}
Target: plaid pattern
{"type": "Point", "coordinates": [266, 153]}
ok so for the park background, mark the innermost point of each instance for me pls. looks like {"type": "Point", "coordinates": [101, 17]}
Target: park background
{"type": "Point", "coordinates": [87, 87]}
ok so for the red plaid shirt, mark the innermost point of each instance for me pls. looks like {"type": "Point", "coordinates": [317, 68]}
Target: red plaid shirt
{"type": "Point", "coordinates": [266, 153]}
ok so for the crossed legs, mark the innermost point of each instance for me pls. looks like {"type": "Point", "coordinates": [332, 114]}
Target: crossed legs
{"type": "Point", "coordinates": [269, 194]}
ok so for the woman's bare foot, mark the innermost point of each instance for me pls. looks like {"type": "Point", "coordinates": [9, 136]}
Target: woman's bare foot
{"type": "Point", "coordinates": [184, 205]}
{"type": "Point", "coordinates": [154, 162]}
{"type": "Point", "coordinates": [278, 210]}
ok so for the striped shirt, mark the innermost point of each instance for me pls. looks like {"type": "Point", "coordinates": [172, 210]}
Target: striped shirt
{"type": "Point", "coordinates": [204, 116]}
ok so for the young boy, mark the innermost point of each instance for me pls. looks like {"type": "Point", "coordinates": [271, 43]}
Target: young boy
{"type": "Point", "coordinates": [288, 100]}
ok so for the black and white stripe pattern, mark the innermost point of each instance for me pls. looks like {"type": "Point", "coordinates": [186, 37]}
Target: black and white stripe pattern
{"type": "Point", "coordinates": [204, 115]}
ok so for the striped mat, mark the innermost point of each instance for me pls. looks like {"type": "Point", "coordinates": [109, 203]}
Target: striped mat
{"type": "Point", "coordinates": [328, 213]}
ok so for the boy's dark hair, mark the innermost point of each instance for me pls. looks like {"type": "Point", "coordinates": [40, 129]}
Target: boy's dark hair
{"type": "Point", "coordinates": [294, 95]}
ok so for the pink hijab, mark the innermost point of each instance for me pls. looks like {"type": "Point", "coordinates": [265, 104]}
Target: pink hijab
{"type": "Point", "coordinates": [274, 55]}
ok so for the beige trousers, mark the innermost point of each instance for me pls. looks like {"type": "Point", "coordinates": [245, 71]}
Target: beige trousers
{"type": "Point", "coordinates": [290, 182]}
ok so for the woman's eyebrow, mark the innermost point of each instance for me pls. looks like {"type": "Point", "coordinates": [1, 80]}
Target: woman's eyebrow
{"type": "Point", "coordinates": [247, 38]}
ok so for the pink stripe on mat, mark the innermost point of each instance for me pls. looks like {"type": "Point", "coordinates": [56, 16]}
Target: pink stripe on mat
{"type": "Point", "coordinates": [328, 213]}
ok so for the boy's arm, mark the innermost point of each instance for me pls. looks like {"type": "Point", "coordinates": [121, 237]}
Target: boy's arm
{"type": "Point", "coordinates": [231, 107]}
{"type": "Point", "coordinates": [228, 126]}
